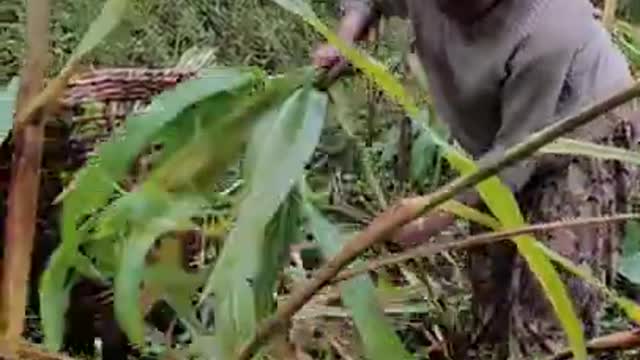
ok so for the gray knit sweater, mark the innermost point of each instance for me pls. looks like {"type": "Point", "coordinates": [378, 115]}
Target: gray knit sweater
{"type": "Point", "coordinates": [521, 65]}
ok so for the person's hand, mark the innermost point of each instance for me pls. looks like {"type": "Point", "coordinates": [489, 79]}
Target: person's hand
{"type": "Point", "coordinates": [326, 56]}
{"type": "Point", "coordinates": [352, 27]}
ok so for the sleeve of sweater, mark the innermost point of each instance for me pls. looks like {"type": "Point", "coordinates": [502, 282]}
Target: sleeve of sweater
{"type": "Point", "coordinates": [387, 8]}
{"type": "Point", "coordinates": [536, 75]}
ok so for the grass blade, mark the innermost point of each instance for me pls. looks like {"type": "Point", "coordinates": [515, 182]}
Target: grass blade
{"type": "Point", "coordinates": [577, 147]}
{"type": "Point", "coordinates": [378, 337]}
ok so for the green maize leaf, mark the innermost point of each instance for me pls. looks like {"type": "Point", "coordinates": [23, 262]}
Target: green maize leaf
{"type": "Point", "coordinates": [378, 337]}
{"type": "Point", "coordinates": [498, 197]}
{"type": "Point", "coordinates": [53, 327]}
{"type": "Point", "coordinates": [8, 98]}
{"type": "Point", "coordinates": [277, 161]}
{"type": "Point", "coordinates": [282, 231]}
{"type": "Point", "coordinates": [196, 159]}
{"type": "Point", "coordinates": [95, 183]}
{"type": "Point", "coordinates": [187, 102]}
{"type": "Point", "coordinates": [193, 166]}
{"type": "Point", "coordinates": [577, 147]}
{"type": "Point", "coordinates": [132, 262]}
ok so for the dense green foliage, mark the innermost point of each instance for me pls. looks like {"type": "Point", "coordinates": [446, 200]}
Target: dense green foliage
{"type": "Point", "coordinates": [278, 135]}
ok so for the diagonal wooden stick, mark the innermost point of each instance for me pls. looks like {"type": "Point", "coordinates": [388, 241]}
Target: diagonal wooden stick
{"type": "Point", "coordinates": [478, 240]}
{"type": "Point", "coordinates": [409, 209]}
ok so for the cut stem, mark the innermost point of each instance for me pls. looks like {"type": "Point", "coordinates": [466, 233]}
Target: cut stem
{"type": "Point", "coordinates": [22, 204]}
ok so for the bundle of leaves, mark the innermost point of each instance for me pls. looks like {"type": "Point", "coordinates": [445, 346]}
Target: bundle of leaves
{"type": "Point", "coordinates": [263, 129]}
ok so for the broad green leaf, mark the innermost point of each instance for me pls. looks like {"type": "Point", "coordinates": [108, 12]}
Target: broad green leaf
{"type": "Point", "coordinates": [277, 162]}
{"type": "Point", "coordinates": [378, 337]}
{"type": "Point", "coordinates": [577, 147]}
{"type": "Point", "coordinates": [7, 106]}
{"type": "Point", "coordinates": [132, 261]}
{"type": "Point", "coordinates": [194, 167]}
{"type": "Point", "coordinates": [95, 183]}
{"type": "Point", "coordinates": [187, 102]}
{"type": "Point", "coordinates": [50, 306]}
{"type": "Point", "coordinates": [282, 231]}
{"type": "Point", "coordinates": [496, 195]}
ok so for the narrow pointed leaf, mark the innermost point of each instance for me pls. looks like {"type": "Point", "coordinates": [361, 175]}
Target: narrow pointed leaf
{"type": "Point", "coordinates": [277, 162]}
{"type": "Point", "coordinates": [379, 339]}
{"type": "Point", "coordinates": [596, 151]}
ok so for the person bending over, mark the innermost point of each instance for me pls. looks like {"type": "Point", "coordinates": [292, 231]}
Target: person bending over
{"type": "Point", "coordinates": [498, 71]}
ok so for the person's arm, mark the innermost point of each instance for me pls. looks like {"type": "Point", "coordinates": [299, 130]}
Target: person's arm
{"type": "Point", "coordinates": [530, 97]}
{"type": "Point", "coordinates": [530, 94]}
{"type": "Point", "coordinates": [357, 18]}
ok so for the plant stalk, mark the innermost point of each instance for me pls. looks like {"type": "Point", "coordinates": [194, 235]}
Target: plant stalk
{"type": "Point", "coordinates": [22, 204]}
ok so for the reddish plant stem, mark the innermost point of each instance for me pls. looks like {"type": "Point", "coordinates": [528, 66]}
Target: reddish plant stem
{"type": "Point", "coordinates": [24, 187]}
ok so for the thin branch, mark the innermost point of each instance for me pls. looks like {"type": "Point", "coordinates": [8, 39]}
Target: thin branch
{"type": "Point", "coordinates": [409, 209]}
{"type": "Point", "coordinates": [25, 180]}
{"type": "Point", "coordinates": [623, 340]}
{"type": "Point", "coordinates": [479, 240]}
